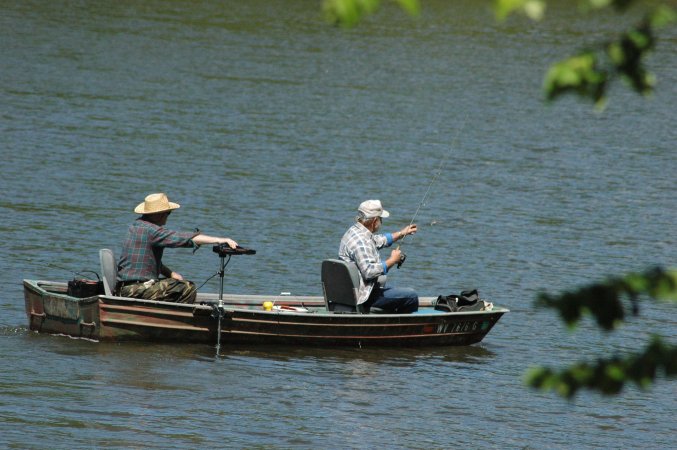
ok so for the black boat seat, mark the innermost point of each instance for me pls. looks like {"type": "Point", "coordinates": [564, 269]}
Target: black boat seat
{"type": "Point", "coordinates": [340, 285]}
{"type": "Point", "coordinates": [109, 271]}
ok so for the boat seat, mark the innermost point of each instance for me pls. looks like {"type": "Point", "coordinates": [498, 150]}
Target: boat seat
{"type": "Point", "coordinates": [109, 271]}
{"type": "Point", "coordinates": [340, 285]}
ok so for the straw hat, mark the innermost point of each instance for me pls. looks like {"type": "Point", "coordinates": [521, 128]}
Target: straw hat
{"type": "Point", "coordinates": [155, 203]}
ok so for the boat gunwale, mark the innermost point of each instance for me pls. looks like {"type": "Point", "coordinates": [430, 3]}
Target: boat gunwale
{"type": "Point", "coordinates": [247, 301]}
{"type": "Point", "coordinates": [114, 318]}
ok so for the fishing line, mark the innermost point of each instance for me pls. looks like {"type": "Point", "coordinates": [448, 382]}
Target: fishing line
{"type": "Point", "coordinates": [56, 266]}
{"type": "Point", "coordinates": [437, 174]}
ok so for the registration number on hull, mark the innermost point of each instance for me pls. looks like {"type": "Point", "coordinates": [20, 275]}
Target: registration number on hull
{"type": "Point", "coordinates": [457, 327]}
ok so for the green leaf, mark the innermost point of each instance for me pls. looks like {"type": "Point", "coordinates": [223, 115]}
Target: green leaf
{"type": "Point", "coordinates": [595, 4]}
{"type": "Point", "coordinates": [533, 9]}
{"type": "Point", "coordinates": [640, 39]}
{"type": "Point", "coordinates": [615, 372]}
{"type": "Point", "coordinates": [608, 376]}
{"type": "Point", "coordinates": [604, 301]}
{"type": "Point", "coordinates": [412, 7]}
{"type": "Point", "coordinates": [578, 74]}
{"type": "Point", "coordinates": [663, 16]}
{"type": "Point", "coordinates": [663, 285]}
{"type": "Point", "coordinates": [348, 13]}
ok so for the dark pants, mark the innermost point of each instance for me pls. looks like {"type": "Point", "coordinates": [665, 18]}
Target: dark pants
{"type": "Point", "coordinates": [393, 300]}
{"type": "Point", "coordinates": [166, 290]}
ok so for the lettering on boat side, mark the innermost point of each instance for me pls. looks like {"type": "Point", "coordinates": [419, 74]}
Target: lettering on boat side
{"type": "Point", "coordinates": [460, 327]}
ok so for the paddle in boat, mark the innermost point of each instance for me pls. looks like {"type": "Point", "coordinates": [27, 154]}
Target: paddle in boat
{"type": "Point", "coordinates": [333, 319]}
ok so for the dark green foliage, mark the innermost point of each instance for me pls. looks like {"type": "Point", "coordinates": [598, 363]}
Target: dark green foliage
{"type": "Point", "coordinates": [348, 13]}
{"type": "Point", "coordinates": [627, 53]}
{"type": "Point", "coordinates": [589, 73]}
{"type": "Point", "coordinates": [608, 303]}
{"type": "Point", "coordinates": [579, 74]}
{"type": "Point", "coordinates": [622, 5]}
{"type": "Point", "coordinates": [608, 376]}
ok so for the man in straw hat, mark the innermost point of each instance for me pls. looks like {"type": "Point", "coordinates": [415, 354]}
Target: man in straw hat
{"type": "Point", "coordinates": [140, 265]}
{"type": "Point", "coordinates": [360, 245]}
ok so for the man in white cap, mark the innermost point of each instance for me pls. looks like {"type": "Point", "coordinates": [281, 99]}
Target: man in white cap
{"type": "Point", "coordinates": [140, 265]}
{"type": "Point", "coordinates": [360, 245]}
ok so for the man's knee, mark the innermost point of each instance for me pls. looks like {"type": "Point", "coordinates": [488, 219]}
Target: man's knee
{"type": "Point", "coordinates": [189, 293]}
{"type": "Point", "coordinates": [184, 291]}
{"type": "Point", "coordinates": [411, 301]}
{"type": "Point", "coordinates": [171, 290]}
{"type": "Point", "coordinates": [404, 301]}
{"type": "Point", "coordinates": [411, 294]}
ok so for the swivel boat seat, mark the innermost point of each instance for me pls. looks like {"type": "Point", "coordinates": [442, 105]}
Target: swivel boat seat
{"type": "Point", "coordinates": [109, 271]}
{"type": "Point", "coordinates": [340, 285]}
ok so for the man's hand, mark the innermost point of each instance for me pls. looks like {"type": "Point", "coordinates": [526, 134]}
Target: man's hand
{"type": "Point", "coordinates": [409, 229]}
{"type": "Point", "coordinates": [395, 257]}
{"type": "Point", "coordinates": [231, 243]}
{"type": "Point", "coordinates": [396, 254]}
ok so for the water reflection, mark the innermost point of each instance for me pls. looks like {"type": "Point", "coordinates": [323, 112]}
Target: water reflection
{"type": "Point", "coordinates": [205, 353]}
{"type": "Point", "coordinates": [395, 357]}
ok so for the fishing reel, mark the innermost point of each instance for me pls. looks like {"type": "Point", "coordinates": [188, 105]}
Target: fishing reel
{"type": "Point", "coordinates": [401, 261]}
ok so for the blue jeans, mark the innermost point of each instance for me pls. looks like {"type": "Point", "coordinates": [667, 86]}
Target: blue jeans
{"type": "Point", "coordinates": [393, 300]}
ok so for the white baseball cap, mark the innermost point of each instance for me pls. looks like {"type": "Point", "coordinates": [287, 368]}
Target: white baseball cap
{"type": "Point", "coordinates": [372, 208]}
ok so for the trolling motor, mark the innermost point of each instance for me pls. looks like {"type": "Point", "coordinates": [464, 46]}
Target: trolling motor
{"type": "Point", "coordinates": [225, 252]}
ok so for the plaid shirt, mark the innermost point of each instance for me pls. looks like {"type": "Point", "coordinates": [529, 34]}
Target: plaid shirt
{"type": "Point", "coordinates": [360, 246]}
{"type": "Point", "coordinates": [141, 257]}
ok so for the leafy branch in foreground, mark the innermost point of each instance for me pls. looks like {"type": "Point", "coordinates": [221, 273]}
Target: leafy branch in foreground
{"type": "Point", "coordinates": [348, 13]}
{"type": "Point", "coordinates": [608, 376]}
{"type": "Point", "coordinates": [605, 301]}
{"type": "Point", "coordinates": [589, 73]}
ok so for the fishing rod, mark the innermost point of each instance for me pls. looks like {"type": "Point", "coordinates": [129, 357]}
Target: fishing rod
{"type": "Point", "coordinates": [430, 185]}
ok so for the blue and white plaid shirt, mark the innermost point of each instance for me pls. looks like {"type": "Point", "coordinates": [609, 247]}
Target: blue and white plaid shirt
{"type": "Point", "coordinates": [361, 246]}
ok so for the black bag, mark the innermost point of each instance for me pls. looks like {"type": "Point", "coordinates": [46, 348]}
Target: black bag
{"type": "Point", "coordinates": [453, 302]}
{"type": "Point", "coordinates": [83, 288]}
{"type": "Point", "coordinates": [446, 303]}
{"type": "Point", "coordinates": [468, 298]}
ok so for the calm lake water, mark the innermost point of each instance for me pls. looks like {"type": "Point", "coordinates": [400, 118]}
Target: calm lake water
{"type": "Point", "coordinates": [270, 126]}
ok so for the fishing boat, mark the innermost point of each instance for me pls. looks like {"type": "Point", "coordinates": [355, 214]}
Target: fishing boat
{"type": "Point", "coordinates": [332, 319]}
